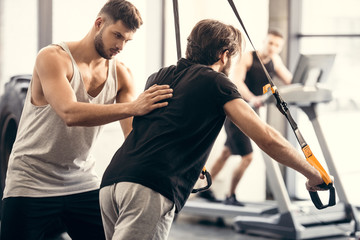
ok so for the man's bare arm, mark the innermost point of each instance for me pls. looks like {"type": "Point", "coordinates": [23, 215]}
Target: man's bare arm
{"type": "Point", "coordinates": [241, 67]}
{"type": "Point", "coordinates": [126, 93]}
{"type": "Point", "coordinates": [240, 70]}
{"type": "Point", "coordinates": [270, 140]}
{"type": "Point", "coordinates": [52, 72]}
{"type": "Point", "coordinates": [281, 71]}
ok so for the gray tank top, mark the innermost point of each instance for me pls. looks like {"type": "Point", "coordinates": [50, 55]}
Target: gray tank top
{"type": "Point", "coordinates": [50, 158]}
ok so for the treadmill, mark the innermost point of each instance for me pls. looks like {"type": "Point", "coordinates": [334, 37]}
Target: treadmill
{"type": "Point", "coordinates": [304, 221]}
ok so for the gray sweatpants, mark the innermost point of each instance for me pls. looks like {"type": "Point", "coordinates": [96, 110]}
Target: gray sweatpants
{"type": "Point", "coordinates": [131, 211]}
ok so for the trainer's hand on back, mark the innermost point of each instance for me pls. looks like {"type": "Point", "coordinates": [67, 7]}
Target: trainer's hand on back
{"type": "Point", "coordinates": [150, 99]}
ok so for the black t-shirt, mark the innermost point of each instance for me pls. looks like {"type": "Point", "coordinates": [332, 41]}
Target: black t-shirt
{"type": "Point", "coordinates": [255, 76]}
{"type": "Point", "coordinates": [168, 147]}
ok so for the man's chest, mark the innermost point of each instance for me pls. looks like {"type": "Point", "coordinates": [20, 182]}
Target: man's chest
{"type": "Point", "coordinates": [93, 79]}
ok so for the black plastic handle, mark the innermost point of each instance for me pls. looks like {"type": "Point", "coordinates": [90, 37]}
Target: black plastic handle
{"type": "Point", "coordinates": [208, 180]}
{"type": "Point", "coordinates": [316, 199]}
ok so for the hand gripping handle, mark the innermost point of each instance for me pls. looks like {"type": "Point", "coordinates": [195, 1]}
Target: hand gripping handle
{"type": "Point", "coordinates": [327, 185]}
{"type": "Point", "coordinates": [208, 180]}
{"type": "Point", "coordinates": [316, 199]}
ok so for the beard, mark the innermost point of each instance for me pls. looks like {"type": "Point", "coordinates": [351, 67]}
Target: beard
{"type": "Point", "coordinates": [99, 45]}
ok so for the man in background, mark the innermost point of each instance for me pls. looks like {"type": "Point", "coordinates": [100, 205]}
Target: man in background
{"type": "Point", "coordinates": [250, 78]}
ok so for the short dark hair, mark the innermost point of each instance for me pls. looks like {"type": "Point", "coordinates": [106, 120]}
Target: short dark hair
{"type": "Point", "coordinates": [210, 38]}
{"type": "Point", "coordinates": [122, 10]}
{"type": "Point", "coordinates": [275, 33]}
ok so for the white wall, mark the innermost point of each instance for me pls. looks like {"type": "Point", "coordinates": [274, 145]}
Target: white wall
{"type": "Point", "coordinates": [19, 38]}
{"type": "Point", "coordinates": [254, 14]}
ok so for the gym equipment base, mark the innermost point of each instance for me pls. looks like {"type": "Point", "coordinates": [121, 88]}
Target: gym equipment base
{"type": "Point", "coordinates": [213, 209]}
{"type": "Point", "coordinates": [303, 223]}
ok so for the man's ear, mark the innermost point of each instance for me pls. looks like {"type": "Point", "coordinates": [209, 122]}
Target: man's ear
{"type": "Point", "coordinates": [224, 57]}
{"type": "Point", "coordinates": [98, 23]}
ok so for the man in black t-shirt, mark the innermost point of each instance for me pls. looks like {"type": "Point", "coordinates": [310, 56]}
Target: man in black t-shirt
{"type": "Point", "coordinates": [151, 176]}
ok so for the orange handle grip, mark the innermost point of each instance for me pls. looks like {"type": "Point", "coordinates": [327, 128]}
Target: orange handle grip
{"type": "Point", "coordinates": [267, 87]}
{"type": "Point", "coordinates": [315, 163]}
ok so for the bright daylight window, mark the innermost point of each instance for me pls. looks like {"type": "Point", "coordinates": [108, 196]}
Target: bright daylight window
{"type": "Point", "coordinates": [330, 26]}
{"type": "Point", "coordinates": [327, 27]}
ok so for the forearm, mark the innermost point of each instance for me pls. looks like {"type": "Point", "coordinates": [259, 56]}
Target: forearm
{"type": "Point", "coordinates": [88, 115]}
{"type": "Point", "coordinates": [278, 148]}
{"type": "Point", "coordinates": [85, 114]}
{"type": "Point", "coordinates": [270, 140]}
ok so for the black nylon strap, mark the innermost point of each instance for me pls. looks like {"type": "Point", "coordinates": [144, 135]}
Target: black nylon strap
{"type": "Point", "coordinates": [231, 2]}
{"type": "Point", "coordinates": [281, 104]}
{"type": "Point", "coordinates": [177, 28]}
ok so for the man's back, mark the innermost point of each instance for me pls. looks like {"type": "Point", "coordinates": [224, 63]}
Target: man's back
{"type": "Point", "coordinates": [173, 143]}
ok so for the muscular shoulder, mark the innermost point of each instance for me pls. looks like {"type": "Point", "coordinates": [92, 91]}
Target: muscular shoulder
{"type": "Point", "coordinates": [53, 57]}
{"type": "Point", "coordinates": [124, 77]}
{"type": "Point", "coordinates": [52, 52]}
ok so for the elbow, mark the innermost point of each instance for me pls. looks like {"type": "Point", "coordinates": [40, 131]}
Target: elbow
{"type": "Point", "coordinates": [70, 123]}
{"type": "Point", "coordinates": [69, 118]}
{"type": "Point", "coordinates": [69, 112]}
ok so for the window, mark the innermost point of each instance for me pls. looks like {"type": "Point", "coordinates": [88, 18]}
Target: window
{"type": "Point", "coordinates": [330, 26]}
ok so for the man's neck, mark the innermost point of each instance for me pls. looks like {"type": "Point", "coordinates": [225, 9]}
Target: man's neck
{"type": "Point", "coordinates": [84, 51]}
{"type": "Point", "coordinates": [217, 67]}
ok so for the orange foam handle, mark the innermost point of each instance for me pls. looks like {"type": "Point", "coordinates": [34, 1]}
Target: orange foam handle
{"type": "Point", "coordinates": [315, 163]}
{"type": "Point", "coordinates": [266, 88]}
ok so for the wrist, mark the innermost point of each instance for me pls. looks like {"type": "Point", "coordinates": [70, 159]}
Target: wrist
{"type": "Point", "coordinates": [128, 108]}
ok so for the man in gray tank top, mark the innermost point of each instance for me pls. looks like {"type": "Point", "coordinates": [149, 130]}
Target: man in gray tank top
{"type": "Point", "coordinates": [76, 88]}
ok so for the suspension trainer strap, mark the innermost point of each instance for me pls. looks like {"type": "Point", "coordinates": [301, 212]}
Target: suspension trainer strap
{"type": "Point", "coordinates": [178, 48]}
{"type": "Point", "coordinates": [177, 28]}
{"type": "Point", "coordinates": [282, 106]}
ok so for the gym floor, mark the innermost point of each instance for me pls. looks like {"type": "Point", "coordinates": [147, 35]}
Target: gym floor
{"type": "Point", "coordinates": [200, 228]}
